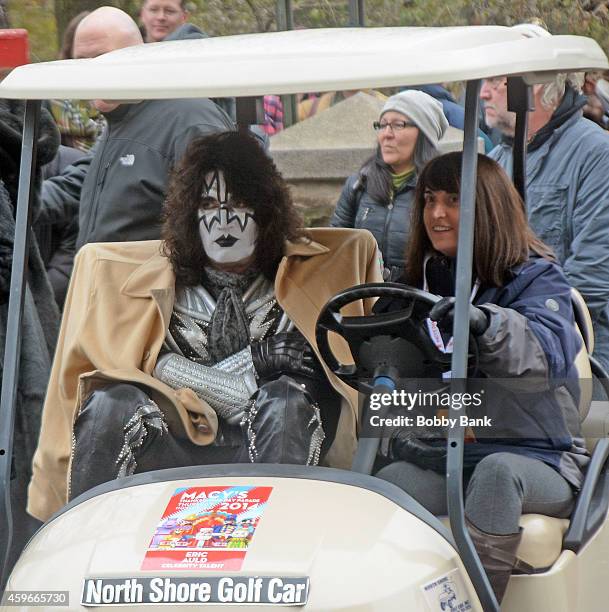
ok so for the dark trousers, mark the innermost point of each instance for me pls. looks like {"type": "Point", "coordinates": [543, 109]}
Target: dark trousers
{"type": "Point", "coordinates": [282, 427]}
{"type": "Point", "coordinates": [503, 486]}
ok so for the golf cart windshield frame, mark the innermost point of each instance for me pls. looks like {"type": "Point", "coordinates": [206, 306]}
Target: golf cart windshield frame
{"type": "Point", "coordinates": [283, 63]}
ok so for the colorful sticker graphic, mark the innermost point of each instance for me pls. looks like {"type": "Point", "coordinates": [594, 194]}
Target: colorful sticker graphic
{"type": "Point", "coordinates": [206, 528]}
{"type": "Point", "coordinates": [447, 593]}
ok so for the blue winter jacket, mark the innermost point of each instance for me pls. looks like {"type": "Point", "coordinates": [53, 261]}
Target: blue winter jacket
{"type": "Point", "coordinates": [532, 337]}
{"type": "Point", "coordinates": [526, 372]}
{"type": "Point", "coordinates": [568, 207]}
{"type": "Point", "coordinates": [388, 222]}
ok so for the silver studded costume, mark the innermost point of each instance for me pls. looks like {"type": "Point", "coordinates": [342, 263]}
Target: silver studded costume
{"type": "Point", "coordinates": [146, 417]}
{"type": "Point", "coordinates": [227, 385]}
{"type": "Point", "coordinates": [206, 349]}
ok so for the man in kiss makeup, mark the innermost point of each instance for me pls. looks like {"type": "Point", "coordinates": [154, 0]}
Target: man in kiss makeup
{"type": "Point", "coordinates": [200, 348]}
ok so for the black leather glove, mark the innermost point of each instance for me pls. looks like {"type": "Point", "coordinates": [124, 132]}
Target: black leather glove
{"type": "Point", "coordinates": [444, 312]}
{"type": "Point", "coordinates": [412, 444]}
{"type": "Point", "coordinates": [285, 353]}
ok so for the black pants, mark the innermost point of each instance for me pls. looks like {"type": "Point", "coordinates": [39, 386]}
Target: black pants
{"type": "Point", "coordinates": [282, 428]}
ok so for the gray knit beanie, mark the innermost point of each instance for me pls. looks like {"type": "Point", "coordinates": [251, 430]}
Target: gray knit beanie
{"type": "Point", "coordinates": [423, 110]}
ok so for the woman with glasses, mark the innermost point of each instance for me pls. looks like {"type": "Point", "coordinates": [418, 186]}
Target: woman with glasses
{"type": "Point", "coordinates": [379, 197]}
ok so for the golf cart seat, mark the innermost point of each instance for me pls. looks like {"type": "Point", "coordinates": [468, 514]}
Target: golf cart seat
{"type": "Point", "coordinates": [583, 319]}
{"type": "Point", "coordinates": [542, 541]}
{"type": "Point", "coordinates": [595, 424]}
{"type": "Point", "coordinates": [583, 322]}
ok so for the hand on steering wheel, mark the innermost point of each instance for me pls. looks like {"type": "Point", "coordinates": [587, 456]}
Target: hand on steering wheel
{"type": "Point", "coordinates": [443, 312]}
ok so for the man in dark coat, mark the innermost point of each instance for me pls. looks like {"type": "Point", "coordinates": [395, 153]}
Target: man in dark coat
{"type": "Point", "coordinates": [120, 187]}
{"type": "Point", "coordinates": [40, 314]}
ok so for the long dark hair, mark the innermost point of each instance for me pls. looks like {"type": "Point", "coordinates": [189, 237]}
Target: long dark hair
{"type": "Point", "coordinates": [252, 178]}
{"type": "Point", "coordinates": [502, 235]}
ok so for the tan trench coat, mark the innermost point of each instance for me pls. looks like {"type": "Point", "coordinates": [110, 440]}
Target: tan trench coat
{"type": "Point", "coordinates": [115, 319]}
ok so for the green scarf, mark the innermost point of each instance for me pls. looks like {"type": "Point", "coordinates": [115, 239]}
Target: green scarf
{"type": "Point", "coordinates": [398, 180]}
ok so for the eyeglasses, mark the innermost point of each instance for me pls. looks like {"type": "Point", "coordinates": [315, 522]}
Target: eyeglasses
{"type": "Point", "coordinates": [394, 126]}
{"type": "Point", "coordinates": [496, 82]}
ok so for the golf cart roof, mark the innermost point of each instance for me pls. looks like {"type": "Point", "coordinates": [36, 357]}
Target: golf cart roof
{"type": "Point", "coordinates": [306, 60]}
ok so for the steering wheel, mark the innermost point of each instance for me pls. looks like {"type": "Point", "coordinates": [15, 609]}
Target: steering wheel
{"type": "Point", "coordinates": [395, 341]}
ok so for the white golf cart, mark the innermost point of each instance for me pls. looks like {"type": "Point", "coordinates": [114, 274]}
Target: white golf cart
{"type": "Point", "coordinates": [319, 538]}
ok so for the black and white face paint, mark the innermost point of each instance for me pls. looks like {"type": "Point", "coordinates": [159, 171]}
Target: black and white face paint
{"type": "Point", "coordinates": [228, 230]}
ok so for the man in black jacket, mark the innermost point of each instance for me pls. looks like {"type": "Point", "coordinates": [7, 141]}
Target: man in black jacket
{"type": "Point", "coordinates": [121, 185]}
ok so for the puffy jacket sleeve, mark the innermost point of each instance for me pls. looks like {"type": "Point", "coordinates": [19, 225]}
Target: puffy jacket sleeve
{"type": "Point", "coordinates": [534, 334]}
{"type": "Point", "coordinates": [59, 267]}
{"type": "Point", "coordinates": [61, 194]}
{"type": "Point", "coordinates": [346, 207]}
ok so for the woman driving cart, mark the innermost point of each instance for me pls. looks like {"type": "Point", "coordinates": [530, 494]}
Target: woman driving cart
{"type": "Point", "coordinates": [530, 459]}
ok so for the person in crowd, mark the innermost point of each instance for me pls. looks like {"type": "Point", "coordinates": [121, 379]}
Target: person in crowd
{"type": "Point", "coordinates": [528, 460]}
{"type": "Point", "coordinates": [273, 114]}
{"type": "Point", "coordinates": [590, 81]}
{"type": "Point", "coordinates": [594, 108]}
{"type": "Point", "coordinates": [379, 196]}
{"type": "Point", "coordinates": [192, 347]}
{"type": "Point", "coordinates": [79, 122]}
{"type": "Point", "coordinates": [567, 201]}
{"type": "Point", "coordinates": [161, 18]}
{"type": "Point", "coordinates": [40, 322]}
{"type": "Point", "coordinates": [601, 92]}
{"type": "Point", "coordinates": [165, 20]}
{"type": "Point", "coordinates": [595, 111]}
{"type": "Point", "coordinates": [120, 187]}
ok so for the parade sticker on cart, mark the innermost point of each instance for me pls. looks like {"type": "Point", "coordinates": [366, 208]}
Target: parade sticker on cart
{"type": "Point", "coordinates": [447, 593]}
{"type": "Point", "coordinates": [206, 528]}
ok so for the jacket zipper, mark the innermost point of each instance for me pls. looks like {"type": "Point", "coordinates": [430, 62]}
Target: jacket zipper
{"type": "Point", "coordinates": [98, 192]}
{"type": "Point", "coordinates": [98, 183]}
{"type": "Point", "coordinates": [72, 452]}
{"type": "Point", "coordinates": [386, 228]}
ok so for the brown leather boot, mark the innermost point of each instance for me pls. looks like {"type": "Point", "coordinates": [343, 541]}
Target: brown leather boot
{"type": "Point", "coordinates": [498, 556]}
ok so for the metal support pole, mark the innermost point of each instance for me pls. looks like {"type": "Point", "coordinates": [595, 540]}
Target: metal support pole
{"type": "Point", "coordinates": [290, 110]}
{"type": "Point", "coordinates": [249, 111]}
{"type": "Point", "coordinates": [357, 12]}
{"type": "Point", "coordinates": [519, 101]}
{"type": "Point", "coordinates": [285, 21]}
{"type": "Point", "coordinates": [12, 350]}
{"type": "Point", "coordinates": [454, 463]}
